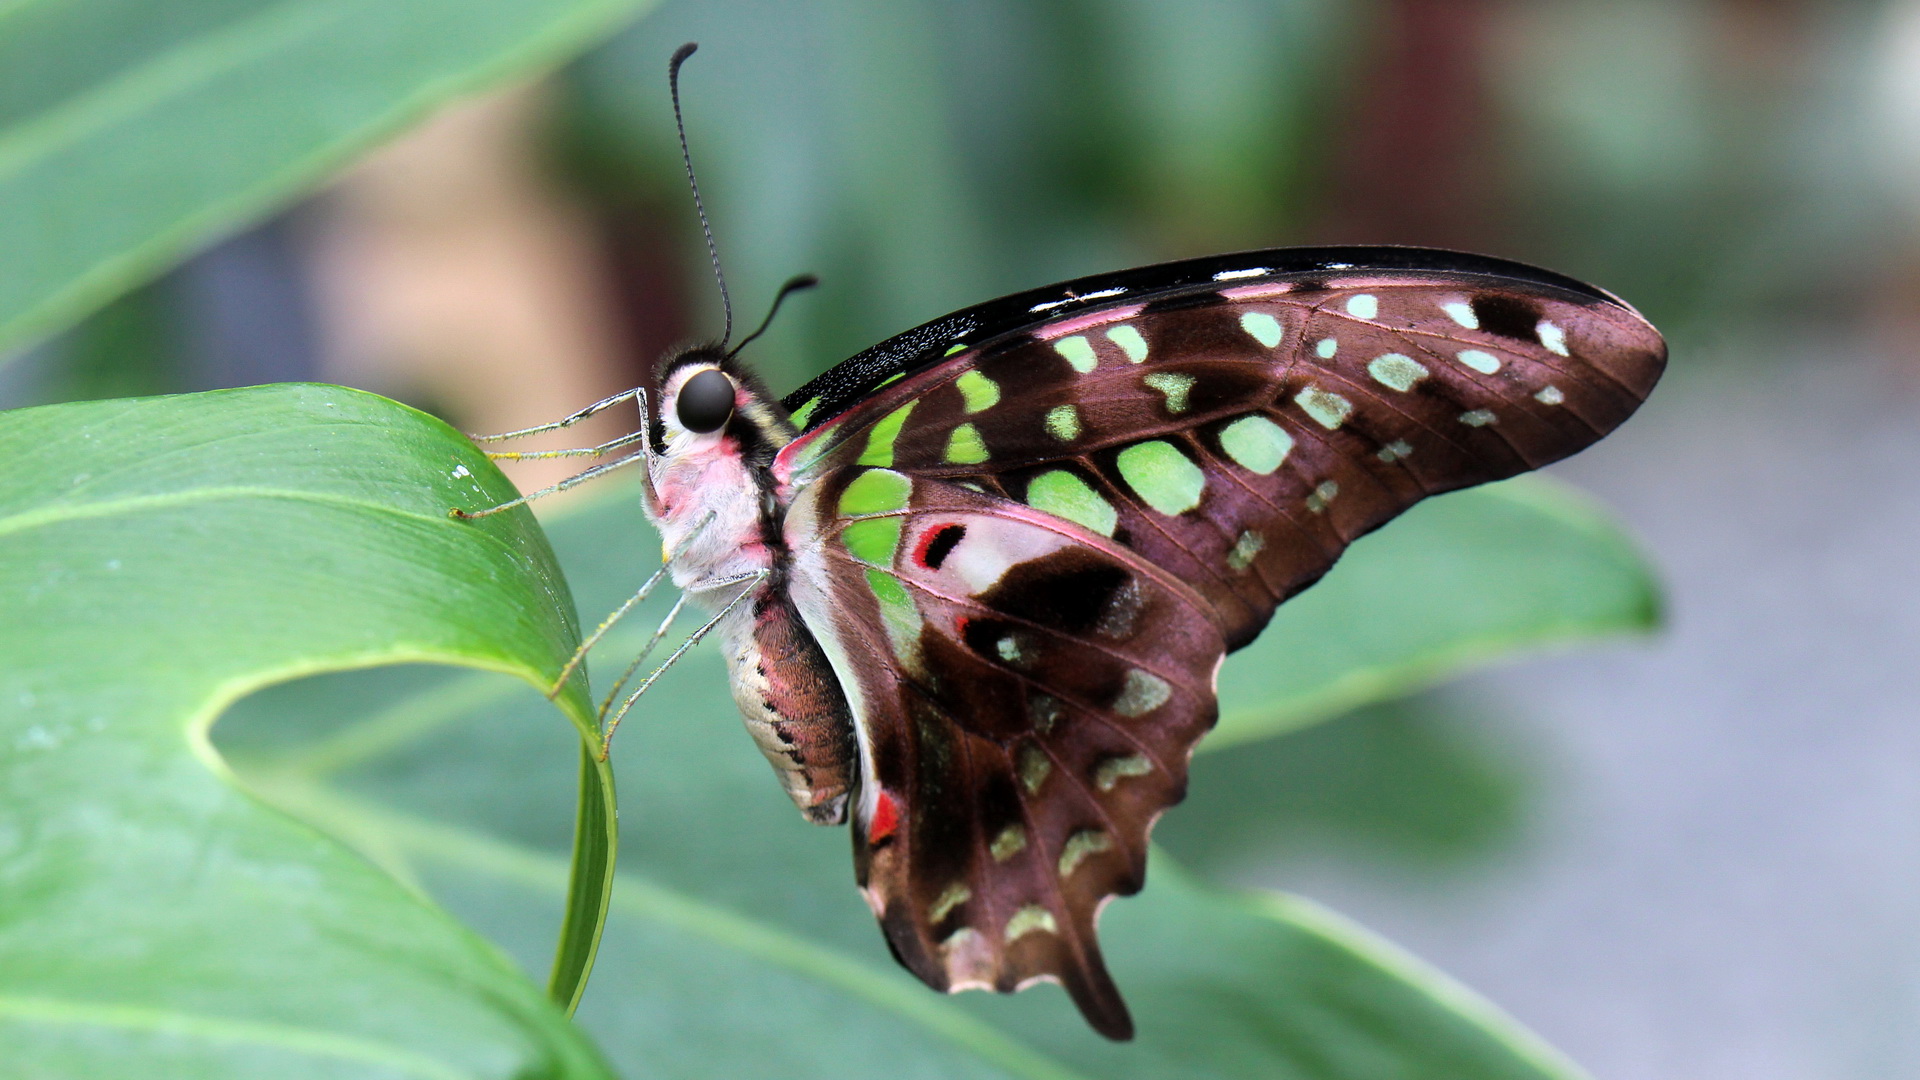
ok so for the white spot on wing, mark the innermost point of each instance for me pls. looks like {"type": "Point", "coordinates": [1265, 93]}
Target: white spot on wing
{"type": "Point", "coordinates": [1235, 275]}
{"type": "Point", "coordinates": [1554, 338]}
{"type": "Point", "coordinates": [1104, 293]}
{"type": "Point", "coordinates": [1483, 362]}
{"type": "Point", "coordinates": [1462, 313]}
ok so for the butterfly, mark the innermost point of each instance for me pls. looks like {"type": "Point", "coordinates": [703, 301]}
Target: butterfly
{"type": "Point", "coordinates": [974, 585]}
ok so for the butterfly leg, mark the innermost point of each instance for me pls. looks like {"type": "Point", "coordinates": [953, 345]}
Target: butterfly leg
{"type": "Point", "coordinates": [606, 624]}
{"type": "Point", "coordinates": [751, 582]}
{"type": "Point", "coordinates": [580, 451]}
{"type": "Point", "coordinates": [571, 481]}
{"type": "Point", "coordinates": [613, 695]}
{"type": "Point", "coordinates": [565, 422]}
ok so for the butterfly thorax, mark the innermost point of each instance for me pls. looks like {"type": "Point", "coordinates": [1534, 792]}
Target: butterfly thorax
{"type": "Point", "coordinates": [720, 514]}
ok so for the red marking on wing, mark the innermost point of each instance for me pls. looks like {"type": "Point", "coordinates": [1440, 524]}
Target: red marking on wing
{"type": "Point", "coordinates": [931, 537]}
{"type": "Point", "coordinates": [886, 817]}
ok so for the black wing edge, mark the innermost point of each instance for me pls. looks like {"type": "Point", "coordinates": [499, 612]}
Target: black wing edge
{"type": "Point", "coordinates": [845, 383]}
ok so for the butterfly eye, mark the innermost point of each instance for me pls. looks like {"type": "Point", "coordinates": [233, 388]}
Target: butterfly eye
{"type": "Point", "coordinates": [706, 401]}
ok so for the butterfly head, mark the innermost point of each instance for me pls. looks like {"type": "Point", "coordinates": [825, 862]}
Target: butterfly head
{"type": "Point", "coordinates": [710, 404]}
{"type": "Point", "coordinates": [713, 435]}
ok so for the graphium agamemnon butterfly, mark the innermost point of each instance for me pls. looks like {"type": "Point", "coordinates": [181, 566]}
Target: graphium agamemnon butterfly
{"type": "Point", "coordinates": [975, 583]}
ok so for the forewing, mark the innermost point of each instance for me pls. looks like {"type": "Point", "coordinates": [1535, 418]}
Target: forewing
{"type": "Point", "coordinates": [1026, 700]}
{"type": "Point", "coordinates": [1242, 432]}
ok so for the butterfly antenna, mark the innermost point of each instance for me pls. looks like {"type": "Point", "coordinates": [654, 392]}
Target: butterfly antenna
{"type": "Point", "coordinates": [793, 285]}
{"type": "Point", "coordinates": [686, 156]}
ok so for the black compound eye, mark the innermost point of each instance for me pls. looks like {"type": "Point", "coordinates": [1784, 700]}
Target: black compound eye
{"type": "Point", "coordinates": [705, 401]}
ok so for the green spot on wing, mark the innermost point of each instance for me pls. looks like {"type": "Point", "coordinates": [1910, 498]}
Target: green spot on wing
{"type": "Point", "coordinates": [804, 412]}
{"type": "Point", "coordinates": [1483, 362]}
{"type": "Point", "coordinates": [1143, 693]}
{"type": "Point", "coordinates": [1396, 371]}
{"type": "Point", "coordinates": [1028, 920]}
{"type": "Point", "coordinates": [872, 540]}
{"type": "Point", "coordinates": [1327, 408]}
{"type": "Point", "coordinates": [898, 615]}
{"type": "Point", "coordinates": [1256, 444]}
{"type": "Point", "coordinates": [1065, 495]}
{"type": "Point", "coordinates": [1162, 476]}
{"type": "Point", "coordinates": [1264, 328]}
{"type": "Point", "coordinates": [817, 444]}
{"type": "Point", "coordinates": [1174, 385]}
{"type": "Point", "coordinates": [979, 392]}
{"type": "Point", "coordinates": [1063, 422]}
{"type": "Point", "coordinates": [1080, 846]}
{"type": "Point", "coordinates": [1078, 351]}
{"type": "Point", "coordinates": [1130, 342]}
{"type": "Point", "coordinates": [881, 436]}
{"type": "Point", "coordinates": [1114, 770]}
{"type": "Point", "coordinates": [876, 491]}
{"type": "Point", "coordinates": [964, 446]}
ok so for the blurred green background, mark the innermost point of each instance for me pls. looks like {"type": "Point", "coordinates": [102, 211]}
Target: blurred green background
{"type": "Point", "coordinates": [1695, 857]}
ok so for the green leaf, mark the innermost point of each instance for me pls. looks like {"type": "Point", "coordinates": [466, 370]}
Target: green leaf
{"type": "Point", "coordinates": [160, 558]}
{"type": "Point", "coordinates": [737, 945]}
{"type": "Point", "coordinates": [1457, 582]}
{"type": "Point", "coordinates": [132, 131]}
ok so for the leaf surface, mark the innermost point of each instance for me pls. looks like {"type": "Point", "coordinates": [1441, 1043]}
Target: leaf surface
{"type": "Point", "coordinates": [1455, 583]}
{"type": "Point", "coordinates": [133, 131]}
{"type": "Point", "coordinates": [737, 945]}
{"type": "Point", "coordinates": [159, 558]}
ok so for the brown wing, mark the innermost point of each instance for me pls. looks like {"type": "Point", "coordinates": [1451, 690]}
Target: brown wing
{"type": "Point", "coordinates": [1242, 435]}
{"type": "Point", "coordinates": [970, 540]}
{"type": "Point", "coordinates": [1027, 697]}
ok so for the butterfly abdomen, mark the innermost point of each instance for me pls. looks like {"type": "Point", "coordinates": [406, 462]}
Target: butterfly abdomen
{"type": "Point", "coordinates": [792, 705]}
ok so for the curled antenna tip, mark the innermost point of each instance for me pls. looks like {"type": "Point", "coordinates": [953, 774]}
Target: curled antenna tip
{"type": "Point", "coordinates": [793, 285]}
{"type": "Point", "coordinates": [680, 55]}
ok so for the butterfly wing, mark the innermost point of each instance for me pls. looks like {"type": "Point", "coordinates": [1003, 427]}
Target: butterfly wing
{"type": "Point", "coordinates": [1215, 432]}
{"type": "Point", "coordinates": [1026, 698]}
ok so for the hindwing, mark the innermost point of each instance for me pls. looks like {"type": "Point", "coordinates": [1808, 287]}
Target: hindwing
{"type": "Point", "coordinates": [1026, 698]}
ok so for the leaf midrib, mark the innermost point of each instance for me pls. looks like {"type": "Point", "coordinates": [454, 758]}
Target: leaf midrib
{"type": "Point", "coordinates": [57, 515]}
{"type": "Point", "coordinates": [222, 1029]}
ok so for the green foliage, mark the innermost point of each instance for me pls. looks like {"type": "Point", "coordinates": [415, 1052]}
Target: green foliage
{"type": "Point", "coordinates": [131, 132]}
{"type": "Point", "coordinates": [164, 562]}
{"type": "Point", "coordinates": [1467, 578]}
{"type": "Point", "coordinates": [159, 558]}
